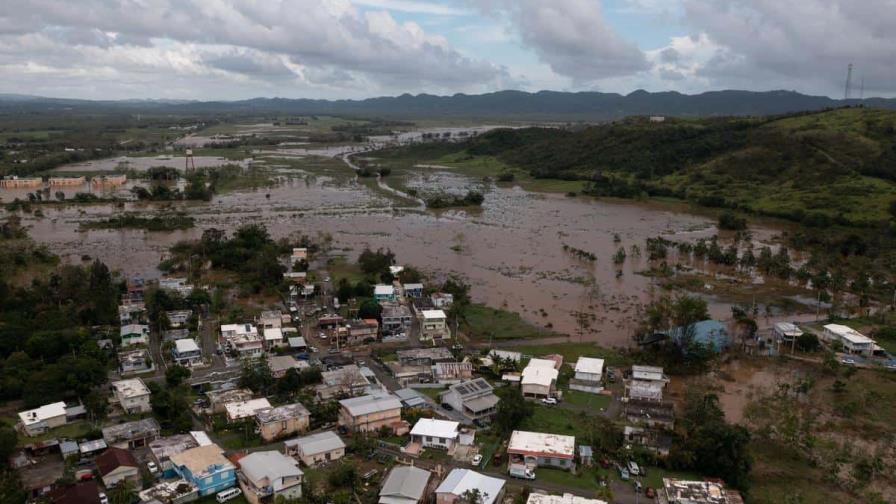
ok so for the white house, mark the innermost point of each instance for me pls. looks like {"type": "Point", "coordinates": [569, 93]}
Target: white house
{"type": "Point", "coordinates": [243, 339]}
{"type": "Point", "coordinates": [528, 450]}
{"type": "Point", "coordinates": [186, 352]}
{"type": "Point", "coordinates": [646, 383]}
{"type": "Point", "coordinates": [40, 420]}
{"type": "Point", "coordinates": [460, 481]}
{"type": "Point", "coordinates": [273, 338]}
{"type": "Point", "coordinates": [434, 326]}
{"type": "Point", "coordinates": [853, 341]}
{"type": "Point", "coordinates": [134, 334]}
{"type": "Point", "coordinates": [475, 399]}
{"type": "Point", "coordinates": [589, 372]}
{"type": "Point", "coordinates": [432, 433]}
{"type": "Point", "coordinates": [382, 292]}
{"type": "Point", "coordinates": [404, 485]}
{"type": "Point", "coordinates": [539, 379]}
{"type": "Point", "coordinates": [132, 395]}
{"type": "Point", "coordinates": [567, 498]}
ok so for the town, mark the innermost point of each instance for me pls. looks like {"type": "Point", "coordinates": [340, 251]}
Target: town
{"type": "Point", "coordinates": [320, 398]}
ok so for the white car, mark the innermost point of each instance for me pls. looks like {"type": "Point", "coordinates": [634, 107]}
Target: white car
{"type": "Point", "coordinates": [477, 459]}
{"type": "Point", "coordinates": [152, 468]}
{"type": "Point", "coordinates": [848, 361]}
{"type": "Point", "coordinates": [633, 468]}
{"type": "Point", "coordinates": [103, 498]}
{"type": "Point", "coordinates": [551, 401]}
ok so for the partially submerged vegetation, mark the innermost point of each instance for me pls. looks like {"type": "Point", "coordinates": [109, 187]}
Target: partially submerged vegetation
{"type": "Point", "coordinates": [132, 221]}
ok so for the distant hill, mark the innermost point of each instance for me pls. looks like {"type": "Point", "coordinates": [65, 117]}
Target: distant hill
{"type": "Point", "coordinates": [508, 105]}
{"type": "Point", "coordinates": [818, 168]}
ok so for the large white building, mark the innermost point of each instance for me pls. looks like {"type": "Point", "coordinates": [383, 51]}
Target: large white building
{"type": "Point", "coordinates": [186, 352]}
{"type": "Point", "coordinates": [239, 410]}
{"type": "Point", "coordinates": [132, 395]}
{"type": "Point", "coordinates": [853, 341]}
{"type": "Point", "coordinates": [40, 420]}
{"type": "Point", "coordinates": [589, 373]}
{"type": "Point", "coordinates": [242, 339]}
{"type": "Point", "coordinates": [434, 326]}
{"type": "Point", "coordinates": [539, 378]}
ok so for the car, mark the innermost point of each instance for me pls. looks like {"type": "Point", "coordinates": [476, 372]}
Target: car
{"type": "Point", "coordinates": [152, 468]}
{"type": "Point", "coordinates": [633, 468]}
{"type": "Point", "coordinates": [326, 279]}
{"type": "Point", "coordinates": [334, 350]}
{"type": "Point", "coordinates": [623, 474]}
{"type": "Point", "coordinates": [313, 349]}
{"type": "Point", "coordinates": [849, 361]}
{"type": "Point", "coordinates": [477, 459]}
{"type": "Point", "coordinates": [650, 493]}
{"type": "Point", "coordinates": [550, 401]}
{"type": "Point", "coordinates": [103, 498]}
{"type": "Point", "coordinates": [447, 407]}
{"type": "Point", "coordinates": [637, 486]}
{"type": "Point", "coordinates": [302, 356]}
{"type": "Point", "coordinates": [361, 363]}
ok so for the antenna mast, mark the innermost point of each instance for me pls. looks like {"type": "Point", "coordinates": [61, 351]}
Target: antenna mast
{"type": "Point", "coordinates": [848, 82]}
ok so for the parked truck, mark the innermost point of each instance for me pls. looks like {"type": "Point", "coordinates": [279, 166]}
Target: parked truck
{"type": "Point", "coordinates": [521, 472]}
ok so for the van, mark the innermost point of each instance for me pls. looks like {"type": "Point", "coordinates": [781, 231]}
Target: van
{"type": "Point", "coordinates": [226, 495]}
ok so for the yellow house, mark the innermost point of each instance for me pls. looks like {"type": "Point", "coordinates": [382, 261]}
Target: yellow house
{"type": "Point", "coordinates": [274, 423]}
{"type": "Point", "coordinates": [370, 412]}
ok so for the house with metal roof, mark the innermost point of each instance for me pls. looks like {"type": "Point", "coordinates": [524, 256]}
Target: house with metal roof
{"type": "Point", "coordinates": [37, 421]}
{"type": "Point", "coordinates": [131, 395]}
{"type": "Point", "coordinates": [566, 498]}
{"type": "Point", "coordinates": [186, 352]}
{"type": "Point", "coordinates": [405, 485]}
{"type": "Point", "coordinates": [475, 399]}
{"type": "Point", "coordinates": [318, 448]}
{"type": "Point", "coordinates": [528, 450]}
{"type": "Point", "coordinates": [132, 434]}
{"type": "Point", "coordinates": [266, 475]}
{"type": "Point", "coordinates": [369, 412]}
{"type": "Point", "coordinates": [589, 373]}
{"type": "Point", "coordinates": [239, 410]}
{"type": "Point", "coordinates": [646, 383]}
{"type": "Point", "coordinates": [286, 420]}
{"type": "Point", "coordinates": [460, 481]}
{"type": "Point", "coordinates": [116, 465]}
{"type": "Point", "coordinates": [434, 433]}
{"type": "Point", "coordinates": [411, 398]}
{"type": "Point", "coordinates": [539, 379]}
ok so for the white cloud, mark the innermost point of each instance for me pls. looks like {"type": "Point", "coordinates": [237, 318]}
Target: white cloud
{"type": "Point", "coordinates": [413, 7]}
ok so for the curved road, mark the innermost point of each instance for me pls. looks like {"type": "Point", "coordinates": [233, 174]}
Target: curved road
{"type": "Point", "coordinates": [346, 158]}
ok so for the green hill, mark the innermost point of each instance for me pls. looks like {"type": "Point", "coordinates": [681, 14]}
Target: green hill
{"type": "Point", "coordinates": [832, 167]}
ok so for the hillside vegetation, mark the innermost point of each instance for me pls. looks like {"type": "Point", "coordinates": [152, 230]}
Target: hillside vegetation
{"type": "Point", "coordinates": [832, 167]}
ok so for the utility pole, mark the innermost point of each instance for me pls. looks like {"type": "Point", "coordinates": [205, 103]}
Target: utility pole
{"type": "Point", "coordinates": [848, 82]}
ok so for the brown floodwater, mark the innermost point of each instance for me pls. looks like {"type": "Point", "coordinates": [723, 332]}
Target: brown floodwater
{"type": "Point", "coordinates": [510, 250]}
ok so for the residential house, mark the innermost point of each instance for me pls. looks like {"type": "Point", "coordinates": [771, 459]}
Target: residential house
{"type": "Point", "coordinates": [370, 412]}
{"type": "Point", "coordinates": [186, 352]}
{"type": "Point", "coordinates": [413, 290]}
{"type": "Point", "coordinates": [655, 440]}
{"type": "Point", "coordinates": [329, 321]}
{"type": "Point", "coordinates": [852, 341]}
{"type": "Point", "coordinates": [787, 332]}
{"type": "Point", "coordinates": [434, 326]}
{"type": "Point", "coordinates": [266, 475]}
{"type": "Point", "coordinates": [131, 395]}
{"type": "Point", "coordinates": [272, 319]}
{"type": "Point", "coordinates": [132, 434]}
{"type": "Point", "coordinates": [405, 485]}
{"type": "Point", "coordinates": [650, 413]}
{"type": "Point", "coordinates": [178, 318]}
{"type": "Point", "coordinates": [242, 339]}
{"type": "Point", "coordinates": [206, 467]}
{"type": "Point", "coordinates": [646, 383]}
{"type": "Point", "coordinates": [298, 344]}
{"type": "Point", "coordinates": [82, 492]}
{"type": "Point", "coordinates": [710, 333]}
{"type": "Point", "coordinates": [433, 433]}
{"type": "Point", "coordinates": [677, 491]}
{"type": "Point", "coordinates": [135, 290]}
{"type": "Point", "coordinates": [474, 399]}
{"type": "Point", "coordinates": [405, 375]}
{"type": "Point", "coordinates": [175, 334]}
{"type": "Point", "coordinates": [131, 313]}
{"type": "Point", "coordinates": [529, 450]}
{"type": "Point", "coordinates": [176, 284]}
{"type": "Point", "coordinates": [92, 447]}
{"type": "Point", "coordinates": [586, 455]}
{"type": "Point", "coordinates": [286, 420]}
{"type": "Point", "coordinates": [395, 317]}
{"type": "Point", "coordinates": [425, 356]}
{"type": "Point", "coordinates": [280, 364]}
{"type": "Point", "coordinates": [382, 292]}
{"type": "Point", "coordinates": [460, 481]}
{"type": "Point", "coordinates": [218, 398]}
{"type": "Point", "coordinates": [177, 491]}
{"type": "Point", "coordinates": [135, 361]}
{"type": "Point", "coordinates": [539, 379]}
{"type": "Point", "coordinates": [411, 398]}
{"type": "Point", "coordinates": [345, 380]}
{"type": "Point", "coordinates": [442, 300]}
{"type": "Point", "coordinates": [589, 375]}
{"type": "Point", "coordinates": [566, 498]}
{"type": "Point", "coordinates": [273, 338]}
{"type": "Point", "coordinates": [134, 334]}
{"type": "Point", "coordinates": [451, 372]}
{"type": "Point", "coordinates": [240, 410]}
{"type": "Point", "coordinates": [361, 331]}
{"type": "Point", "coordinates": [162, 449]}
{"type": "Point", "coordinates": [40, 420]}
{"type": "Point", "coordinates": [116, 465]}
{"type": "Point", "coordinates": [318, 448]}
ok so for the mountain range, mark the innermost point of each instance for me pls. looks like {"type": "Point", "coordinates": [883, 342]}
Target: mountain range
{"type": "Point", "coordinates": [519, 105]}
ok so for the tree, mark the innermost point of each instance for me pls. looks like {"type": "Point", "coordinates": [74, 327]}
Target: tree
{"type": "Point", "coordinates": [808, 342]}
{"type": "Point", "coordinates": [369, 308]}
{"type": "Point", "coordinates": [345, 475]}
{"type": "Point", "coordinates": [97, 406]}
{"type": "Point", "coordinates": [512, 410]}
{"type": "Point", "coordinates": [376, 263]}
{"type": "Point", "coordinates": [176, 374]}
{"type": "Point", "coordinates": [10, 487]}
{"type": "Point", "coordinates": [257, 375]}
{"type": "Point", "coordinates": [472, 496]}
{"type": "Point", "coordinates": [123, 493]}
{"type": "Point", "coordinates": [8, 439]}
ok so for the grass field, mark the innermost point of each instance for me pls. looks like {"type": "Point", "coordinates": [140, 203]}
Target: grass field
{"type": "Point", "coordinates": [594, 402]}
{"type": "Point", "coordinates": [484, 323]}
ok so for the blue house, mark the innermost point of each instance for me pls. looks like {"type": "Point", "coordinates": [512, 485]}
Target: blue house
{"type": "Point", "coordinates": [711, 333]}
{"type": "Point", "coordinates": [206, 467]}
{"type": "Point", "coordinates": [413, 290]}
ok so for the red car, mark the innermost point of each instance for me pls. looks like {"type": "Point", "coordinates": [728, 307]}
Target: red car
{"type": "Point", "coordinates": [650, 493]}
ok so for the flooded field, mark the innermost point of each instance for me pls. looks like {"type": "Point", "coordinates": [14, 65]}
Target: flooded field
{"type": "Point", "coordinates": [510, 251]}
{"type": "Point", "coordinates": [138, 163]}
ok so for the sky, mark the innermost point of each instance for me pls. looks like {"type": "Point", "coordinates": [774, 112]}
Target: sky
{"type": "Point", "coordinates": [333, 49]}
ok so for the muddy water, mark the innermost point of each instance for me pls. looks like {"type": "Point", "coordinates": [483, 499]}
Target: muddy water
{"type": "Point", "coordinates": [144, 163]}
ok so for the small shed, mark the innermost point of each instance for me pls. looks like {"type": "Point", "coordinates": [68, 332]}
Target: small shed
{"type": "Point", "coordinates": [586, 456]}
